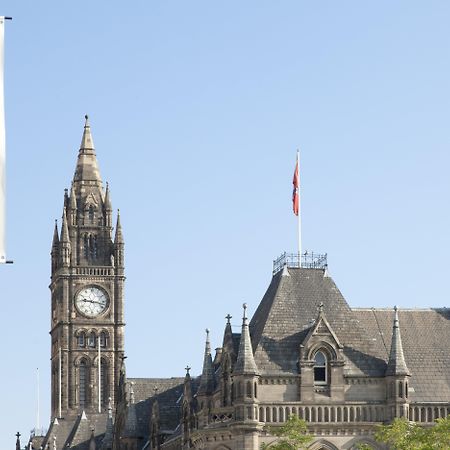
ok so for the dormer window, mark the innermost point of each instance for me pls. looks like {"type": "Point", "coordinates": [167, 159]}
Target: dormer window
{"type": "Point", "coordinates": [320, 368]}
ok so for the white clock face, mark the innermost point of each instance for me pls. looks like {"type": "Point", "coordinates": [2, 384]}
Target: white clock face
{"type": "Point", "coordinates": [91, 301]}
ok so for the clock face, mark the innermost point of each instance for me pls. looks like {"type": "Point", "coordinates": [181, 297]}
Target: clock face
{"type": "Point", "coordinates": [91, 301]}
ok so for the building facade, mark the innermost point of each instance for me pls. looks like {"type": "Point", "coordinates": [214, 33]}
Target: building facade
{"type": "Point", "coordinates": [305, 351]}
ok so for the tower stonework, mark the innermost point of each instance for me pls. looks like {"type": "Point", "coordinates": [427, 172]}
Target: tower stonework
{"type": "Point", "coordinates": [87, 294]}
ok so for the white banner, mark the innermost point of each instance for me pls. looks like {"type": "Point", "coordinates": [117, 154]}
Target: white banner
{"type": "Point", "coordinates": [2, 148]}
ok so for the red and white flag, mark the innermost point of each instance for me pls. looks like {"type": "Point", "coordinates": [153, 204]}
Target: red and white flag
{"type": "Point", "coordinates": [295, 192]}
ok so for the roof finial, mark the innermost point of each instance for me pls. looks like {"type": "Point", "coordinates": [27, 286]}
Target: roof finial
{"type": "Point", "coordinates": [18, 441]}
{"type": "Point", "coordinates": [155, 390]}
{"type": "Point", "coordinates": [86, 123]}
{"type": "Point", "coordinates": [244, 318]}
{"type": "Point", "coordinates": [228, 317]}
{"type": "Point", "coordinates": [187, 368]}
{"type": "Point", "coordinates": [320, 307]}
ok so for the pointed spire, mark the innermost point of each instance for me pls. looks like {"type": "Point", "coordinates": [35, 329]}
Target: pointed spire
{"type": "Point", "coordinates": [131, 420]}
{"type": "Point", "coordinates": [87, 167]}
{"type": "Point", "coordinates": [64, 228]}
{"type": "Point", "coordinates": [73, 199]}
{"type": "Point", "coordinates": [396, 364]}
{"type": "Point", "coordinates": [119, 237]}
{"type": "Point", "coordinates": [108, 439]}
{"type": "Point", "coordinates": [108, 206]}
{"type": "Point", "coordinates": [86, 141]}
{"type": "Point", "coordinates": [207, 379]}
{"type": "Point", "coordinates": [55, 242]}
{"type": "Point", "coordinates": [187, 385]}
{"type": "Point", "coordinates": [245, 363]}
{"type": "Point", "coordinates": [18, 441]}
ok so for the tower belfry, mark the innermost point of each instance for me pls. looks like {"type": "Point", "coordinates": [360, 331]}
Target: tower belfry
{"type": "Point", "coordinates": [87, 280]}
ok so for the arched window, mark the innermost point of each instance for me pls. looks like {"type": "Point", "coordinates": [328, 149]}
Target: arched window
{"type": "Point", "coordinates": [82, 382]}
{"type": "Point", "coordinates": [103, 339]}
{"type": "Point", "coordinates": [91, 341]}
{"type": "Point", "coordinates": [81, 339]}
{"type": "Point", "coordinates": [320, 368]}
{"type": "Point", "coordinates": [249, 389]}
{"type": "Point", "coordinates": [91, 214]}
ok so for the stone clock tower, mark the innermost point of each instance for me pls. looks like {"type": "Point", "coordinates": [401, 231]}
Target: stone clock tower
{"type": "Point", "coordinates": [87, 283]}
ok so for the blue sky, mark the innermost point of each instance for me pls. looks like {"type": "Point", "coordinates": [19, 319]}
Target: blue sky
{"type": "Point", "coordinates": [196, 110]}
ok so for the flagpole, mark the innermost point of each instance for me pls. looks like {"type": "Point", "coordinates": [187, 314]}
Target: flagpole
{"type": "Point", "coordinates": [99, 379]}
{"type": "Point", "coordinates": [299, 212]}
{"type": "Point", "coordinates": [60, 384]}
{"type": "Point", "coordinates": [38, 406]}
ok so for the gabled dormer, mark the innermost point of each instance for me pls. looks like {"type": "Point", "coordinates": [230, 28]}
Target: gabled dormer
{"type": "Point", "coordinates": [321, 362]}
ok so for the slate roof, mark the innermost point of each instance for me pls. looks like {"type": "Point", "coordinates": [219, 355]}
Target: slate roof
{"type": "Point", "coordinates": [290, 304]}
{"type": "Point", "coordinates": [286, 314]}
{"type": "Point", "coordinates": [76, 431]}
{"type": "Point", "coordinates": [169, 392]}
{"type": "Point", "coordinates": [426, 343]}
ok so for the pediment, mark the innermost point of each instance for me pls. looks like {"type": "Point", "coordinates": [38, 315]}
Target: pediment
{"type": "Point", "coordinates": [90, 200]}
{"type": "Point", "coordinates": [321, 329]}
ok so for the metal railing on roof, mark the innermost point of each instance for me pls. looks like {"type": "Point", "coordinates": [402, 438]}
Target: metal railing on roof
{"type": "Point", "coordinates": [307, 260]}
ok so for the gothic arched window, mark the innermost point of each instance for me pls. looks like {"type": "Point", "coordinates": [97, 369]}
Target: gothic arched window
{"type": "Point", "coordinates": [320, 368]}
{"type": "Point", "coordinates": [82, 382]}
{"type": "Point", "coordinates": [103, 339]}
{"type": "Point", "coordinates": [91, 214]}
{"type": "Point", "coordinates": [91, 341]}
{"type": "Point", "coordinates": [81, 339]}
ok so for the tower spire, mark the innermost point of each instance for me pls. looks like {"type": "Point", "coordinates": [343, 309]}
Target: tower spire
{"type": "Point", "coordinates": [245, 363]}
{"type": "Point", "coordinates": [397, 363]}
{"type": "Point", "coordinates": [64, 228]}
{"type": "Point", "coordinates": [207, 378]}
{"type": "Point", "coordinates": [55, 242]}
{"type": "Point", "coordinates": [87, 167]}
{"type": "Point", "coordinates": [119, 236]}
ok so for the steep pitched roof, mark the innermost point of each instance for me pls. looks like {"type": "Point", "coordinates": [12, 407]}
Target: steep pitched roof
{"type": "Point", "coordinates": [286, 314]}
{"type": "Point", "coordinates": [425, 342]}
{"type": "Point", "coordinates": [168, 391]}
{"type": "Point", "coordinates": [87, 166]}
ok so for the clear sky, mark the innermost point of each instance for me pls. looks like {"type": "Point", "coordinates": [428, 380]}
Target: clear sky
{"type": "Point", "coordinates": [197, 108]}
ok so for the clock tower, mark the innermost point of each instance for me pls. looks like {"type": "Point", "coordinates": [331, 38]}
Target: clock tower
{"type": "Point", "coordinates": [87, 294]}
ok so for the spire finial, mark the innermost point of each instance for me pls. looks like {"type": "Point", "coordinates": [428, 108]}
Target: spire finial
{"type": "Point", "coordinates": [155, 390]}
{"type": "Point", "coordinates": [396, 363]}
{"type": "Point", "coordinates": [187, 368]}
{"type": "Point", "coordinates": [18, 441]}
{"type": "Point", "coordinates": [228, 317]}
{"type": "Point", "coordinates": [86, 118]}
{"type": "Point", "coordinates": [245, 363]}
